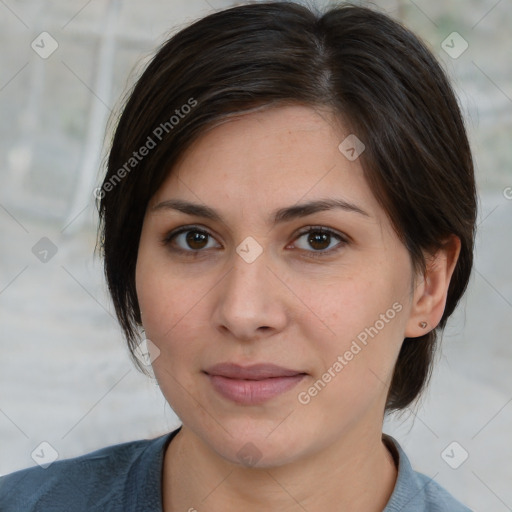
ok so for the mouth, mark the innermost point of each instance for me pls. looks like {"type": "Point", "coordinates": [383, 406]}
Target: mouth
{"type": "Point", "coordinates": [253, 384]}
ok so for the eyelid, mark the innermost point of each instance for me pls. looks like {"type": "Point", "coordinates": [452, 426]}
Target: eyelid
{"type": "Point", "coordinates": [323, 229]}
{"type": "Point", "coordinates": [183, 229]}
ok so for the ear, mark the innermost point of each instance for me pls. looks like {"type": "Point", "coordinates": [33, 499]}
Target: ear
{"type": "Point", "coordinates": [431, 290]}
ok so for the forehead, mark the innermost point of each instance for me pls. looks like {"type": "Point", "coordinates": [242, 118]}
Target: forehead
{"type": "Point", "coordinates": [268, 159]}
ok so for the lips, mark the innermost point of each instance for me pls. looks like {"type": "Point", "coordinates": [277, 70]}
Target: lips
{"type": "Point", "coordinates": [252, 385]}
{"type": "Point", "coordinates": [254, 372]}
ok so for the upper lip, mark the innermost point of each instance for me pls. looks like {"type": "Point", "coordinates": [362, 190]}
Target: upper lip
{"type": "Point", "coordinates": [253, 372]}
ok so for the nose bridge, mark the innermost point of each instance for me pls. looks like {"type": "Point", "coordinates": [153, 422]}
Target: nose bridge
{"type": "Point", "coordinates": [247, 280]}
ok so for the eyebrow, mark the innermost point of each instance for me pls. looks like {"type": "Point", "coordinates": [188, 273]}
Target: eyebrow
{"type": "Point", "coordinates": [279, 216]}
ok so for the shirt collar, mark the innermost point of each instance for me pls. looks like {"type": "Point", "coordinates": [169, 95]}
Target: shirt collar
{"type": "Point", "coordinates": [409, 490]}
{"type": "Point", "coordinates": [143, 490]}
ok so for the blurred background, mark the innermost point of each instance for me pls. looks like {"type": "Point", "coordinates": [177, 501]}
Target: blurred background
{"type": "Point", "coordinates": [65, 375]}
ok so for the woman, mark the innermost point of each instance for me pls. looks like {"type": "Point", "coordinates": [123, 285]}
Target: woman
{"type": "Point", "coordinates": [288, 217]}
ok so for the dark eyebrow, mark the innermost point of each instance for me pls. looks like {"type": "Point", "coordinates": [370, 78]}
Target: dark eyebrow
{"type": "Point", "coordinates": [281, 215]}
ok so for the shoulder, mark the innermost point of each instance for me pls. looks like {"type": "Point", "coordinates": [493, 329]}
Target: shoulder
{"type": "Point", "coordinates": [100, 480]}
{"type": "Point", "coordinates": [416, 492]}
{"type": "Point", "coordinates": [437, 498]}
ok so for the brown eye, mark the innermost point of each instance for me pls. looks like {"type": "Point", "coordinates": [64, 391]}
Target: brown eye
{"type": "Point", "coordinates": [188, 240]}
{"type": "Point", "coordinates": [320, 239]}
{"type": "Point", "coordinates": [196, 239]}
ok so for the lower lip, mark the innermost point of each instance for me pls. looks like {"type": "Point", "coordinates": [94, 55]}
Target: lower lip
{"type": "Point", "coordinates": [252, 392]}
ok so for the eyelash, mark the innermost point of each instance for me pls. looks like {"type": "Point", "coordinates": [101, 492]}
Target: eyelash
{"type": "Point", "coordinates": [166, 241]}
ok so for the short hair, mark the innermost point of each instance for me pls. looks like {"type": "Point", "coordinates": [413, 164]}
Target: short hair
{"type": "Point", "coordinates": [374, 74]}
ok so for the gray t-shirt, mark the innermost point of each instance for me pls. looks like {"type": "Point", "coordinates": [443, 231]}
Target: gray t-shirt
{"type": "Point", "coordinates": [128, 478]}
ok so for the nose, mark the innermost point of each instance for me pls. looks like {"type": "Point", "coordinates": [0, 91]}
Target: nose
{"type": "Point", "coordinates": [250, 300]}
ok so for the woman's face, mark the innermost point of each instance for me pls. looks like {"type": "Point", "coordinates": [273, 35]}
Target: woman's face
{"type": "Point", "coordinates": [256, 287]}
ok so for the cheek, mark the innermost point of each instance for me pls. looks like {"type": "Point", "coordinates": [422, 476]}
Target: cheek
{"type": "Point", "coordinates": [171, 324]}
{"type": "Point", "coordinates": [169, 314]}
{"type": "Point", "coordinates": [162, 300]}
{"type": "Point", "coordinates": [346, 307]}
{"type": "Point", "coordinates": [171, 307]}
{"type": "Point", "coordinates": [356, 333]}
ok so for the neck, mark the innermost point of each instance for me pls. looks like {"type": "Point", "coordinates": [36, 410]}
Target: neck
{"type": "Point", "coordinates": [357, 473]}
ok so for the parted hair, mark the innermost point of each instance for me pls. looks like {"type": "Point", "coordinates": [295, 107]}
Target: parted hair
{"type": "Point", "coordinates": [379, 78]}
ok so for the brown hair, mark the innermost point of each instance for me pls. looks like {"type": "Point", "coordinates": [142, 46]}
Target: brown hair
{"type": "Point", "coordinates": [368, 69]}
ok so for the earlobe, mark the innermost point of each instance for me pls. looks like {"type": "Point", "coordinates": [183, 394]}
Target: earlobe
{"type": "Point", "coordinates": [429, 298]}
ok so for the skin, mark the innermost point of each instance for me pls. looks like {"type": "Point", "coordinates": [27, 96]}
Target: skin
{"type": "Point", "coordinates": [285, 307]}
